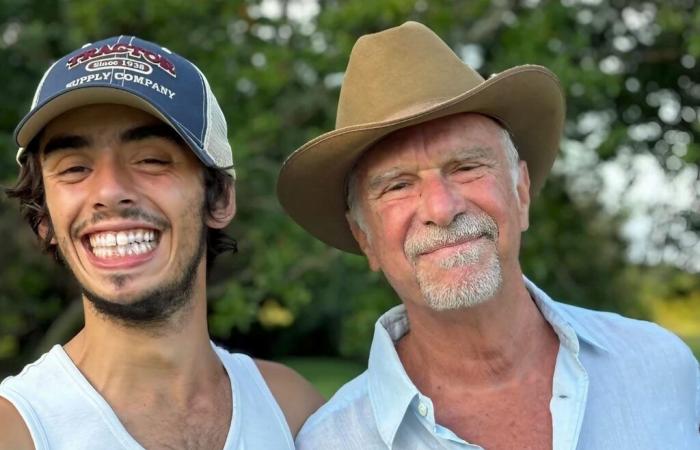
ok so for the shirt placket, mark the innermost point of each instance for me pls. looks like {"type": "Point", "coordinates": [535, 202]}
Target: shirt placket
{"type": "Point", "coordinates": [444, 438]}
{"type": "Point", "coordinates": [569, 396]}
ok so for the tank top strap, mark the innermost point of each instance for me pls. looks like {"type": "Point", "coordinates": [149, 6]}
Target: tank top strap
{"type": "Point", "coordinates": [13, 393]}
{"type": "Point", "coordinates": [259, 412]}
{"type": "Point", "coordinates": [52, 396]}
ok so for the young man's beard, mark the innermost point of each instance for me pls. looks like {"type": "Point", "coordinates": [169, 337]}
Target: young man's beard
{"type": "Point", "coordinates": [152, 309]}
{"type": "Point", "coordinates": [155, 307]}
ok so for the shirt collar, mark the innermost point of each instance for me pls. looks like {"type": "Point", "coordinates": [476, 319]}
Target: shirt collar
{"type": "Point", "coordinates": [568, 327]}
{"type": "Point", "coordinates": [391, 391]}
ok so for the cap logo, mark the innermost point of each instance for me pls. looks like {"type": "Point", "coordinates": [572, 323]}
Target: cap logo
{"type": "Point", "coordinates": [119, 63]}
{"type": "Point", "coordinates": [136, 59]}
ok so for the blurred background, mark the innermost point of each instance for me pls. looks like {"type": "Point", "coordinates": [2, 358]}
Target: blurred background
{"type": "Point", "coordinates": [615, 228]}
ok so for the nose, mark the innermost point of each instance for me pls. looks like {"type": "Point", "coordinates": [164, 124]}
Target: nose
{"type": "Point", "coordinates": [440, 202]}
{"type": "Point", "coordinates": [112, 186]}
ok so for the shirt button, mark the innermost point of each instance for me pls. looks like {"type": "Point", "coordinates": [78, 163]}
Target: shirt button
{"type": "Point", "coordinates": [422, 409]}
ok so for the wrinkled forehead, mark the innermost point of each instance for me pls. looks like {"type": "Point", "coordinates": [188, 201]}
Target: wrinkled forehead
{"type": "Point", "coordinates": [443, 137]}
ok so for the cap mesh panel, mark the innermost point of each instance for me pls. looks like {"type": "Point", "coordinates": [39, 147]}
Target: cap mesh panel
{"type": "Point", "coordinates": [215, 140]}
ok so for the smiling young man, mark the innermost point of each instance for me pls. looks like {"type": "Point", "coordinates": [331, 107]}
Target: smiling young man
{"type": "Point", "coordinates": [127, 176]}
{"type": "Point", "coordinates": [430, 174]}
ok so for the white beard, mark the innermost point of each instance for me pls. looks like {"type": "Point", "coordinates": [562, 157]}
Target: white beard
{"type": "Point", "coordinates": [468, 291]}
{"type": "Point", "coordinates": [476, 285]}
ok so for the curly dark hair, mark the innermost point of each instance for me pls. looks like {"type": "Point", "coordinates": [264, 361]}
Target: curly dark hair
{"type": "Point", "coordinates": [29, 190]}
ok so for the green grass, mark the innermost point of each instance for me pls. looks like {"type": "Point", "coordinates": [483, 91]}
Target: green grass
{"type": "Point", "coordinates": [327, 374]}
{"type": "Point", "coordinates": [694, 344]}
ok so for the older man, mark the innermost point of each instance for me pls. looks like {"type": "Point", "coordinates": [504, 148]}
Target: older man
{"type": "Point", "coordinates": [430, 173]}
{"type": "Point", "coordinates": [127, 176]}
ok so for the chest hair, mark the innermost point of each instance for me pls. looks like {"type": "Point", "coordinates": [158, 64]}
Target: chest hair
{"type": "Point", "coordinates": [203, 425]}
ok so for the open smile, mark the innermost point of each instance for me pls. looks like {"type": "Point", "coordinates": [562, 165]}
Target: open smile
{"type": "Point", "coordinates": [116, 245]}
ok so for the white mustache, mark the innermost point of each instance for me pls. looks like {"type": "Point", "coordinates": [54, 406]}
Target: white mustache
{"type": "Point", "coordinates": [462, 228]}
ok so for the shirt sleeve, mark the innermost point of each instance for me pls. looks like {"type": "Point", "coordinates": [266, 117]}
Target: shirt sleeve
{"type": "Point", "coordinates": [697, 395]}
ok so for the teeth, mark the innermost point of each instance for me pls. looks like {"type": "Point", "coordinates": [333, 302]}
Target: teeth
{"type": "Point", "coordinates": [104, 252]}
{"type": "Point", "coordinates": [111, 238]}
{"type": "Point", "coordinates": [111, 244]}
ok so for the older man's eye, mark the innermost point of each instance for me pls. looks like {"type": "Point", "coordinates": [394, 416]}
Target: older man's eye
{"type": "Point", "coordinates": [396, 186]}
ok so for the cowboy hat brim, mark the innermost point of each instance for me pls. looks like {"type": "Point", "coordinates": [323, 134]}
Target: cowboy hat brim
{"type": "Point", "coordinates": [527, 100]}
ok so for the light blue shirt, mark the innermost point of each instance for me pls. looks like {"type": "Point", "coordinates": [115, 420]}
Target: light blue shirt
{"type": "Point", "coordinates": [619, 384]}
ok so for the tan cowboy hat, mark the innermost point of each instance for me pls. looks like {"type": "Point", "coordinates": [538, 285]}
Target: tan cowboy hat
{"type": "Point", "coordinates": [401, 77]}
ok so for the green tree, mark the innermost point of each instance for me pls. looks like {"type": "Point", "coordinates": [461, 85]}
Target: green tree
{"type": "Point", "coordinates": [630, 75]}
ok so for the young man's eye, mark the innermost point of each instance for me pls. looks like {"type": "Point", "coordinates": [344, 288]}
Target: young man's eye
{"type": "Point", "coordinates": [154, 161]}
{"type": "Point", "coordinates": [73, 170]}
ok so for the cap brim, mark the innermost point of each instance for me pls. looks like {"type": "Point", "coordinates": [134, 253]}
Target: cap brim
{"type": "Point", "coordinates": [527, 100]}
{"type": "Point", "coordinates": [33, 123]}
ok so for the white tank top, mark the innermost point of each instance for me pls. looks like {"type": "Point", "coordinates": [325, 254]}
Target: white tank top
{"type": "Point", "coordinates": [63, 411]}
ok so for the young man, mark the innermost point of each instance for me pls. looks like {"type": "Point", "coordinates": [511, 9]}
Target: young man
{"type": "Point", "coordinates": [430, 173]}
{"type": "Point", "coordinates": [127, 176]}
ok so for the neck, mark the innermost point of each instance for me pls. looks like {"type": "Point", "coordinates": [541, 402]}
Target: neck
{"type": "Point", "coordinates": [491, 344]}
{"type": "Point", "coordinates": [175, 359]}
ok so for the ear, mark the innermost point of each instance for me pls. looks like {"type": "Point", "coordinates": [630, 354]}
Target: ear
{"type": "Point", "coordinates": [523, 191]}
{"type": "Point", "coordinates": [363, 241]}
{"type": "Point", "coordinates": [43, 230]}
{"type": "Point", "coordinates": [224, 210]}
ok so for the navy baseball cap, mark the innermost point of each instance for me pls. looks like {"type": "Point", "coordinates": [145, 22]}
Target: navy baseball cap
{"type": "Point", "coordinates": [129, 71]}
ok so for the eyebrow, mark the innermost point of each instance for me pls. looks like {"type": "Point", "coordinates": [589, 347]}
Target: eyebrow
{"type": "Point", "coordinates": [160, 130]}
{"type": "Point", "coordinates": [473, 153]}
{"type": "Point", "coordinates": [66, 142]}
{"type": "Point", "coordinates": [378, 180]}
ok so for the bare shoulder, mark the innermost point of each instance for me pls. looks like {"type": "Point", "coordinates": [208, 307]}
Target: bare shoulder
{"type": "Point", "coordinates": [14, 434]}
{"type": "Point", "coordinates": [295, 395]}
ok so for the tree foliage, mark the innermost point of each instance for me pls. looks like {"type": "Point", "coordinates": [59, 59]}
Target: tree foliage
{"type": "Point", "coordinates": [630, 74]}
